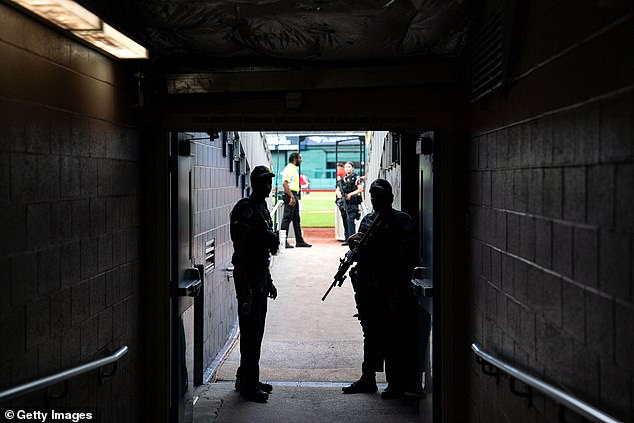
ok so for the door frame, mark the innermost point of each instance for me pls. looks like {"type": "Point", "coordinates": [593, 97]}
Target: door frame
{"type": "Point", "coordinates": [440, 110]}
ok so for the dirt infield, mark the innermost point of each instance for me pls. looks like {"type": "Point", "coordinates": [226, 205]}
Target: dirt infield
{"type": "Point", "coordinates": [320, 235]}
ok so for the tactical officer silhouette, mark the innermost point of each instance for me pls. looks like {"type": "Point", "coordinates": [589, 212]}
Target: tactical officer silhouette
{"type": "Point", "coordinates": [253, 243]}
{"type": "Point", "coordinates": [386, 304]}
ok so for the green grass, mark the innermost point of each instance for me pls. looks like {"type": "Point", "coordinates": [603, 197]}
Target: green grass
{"type": "Point", "coordinates": [318, 210]}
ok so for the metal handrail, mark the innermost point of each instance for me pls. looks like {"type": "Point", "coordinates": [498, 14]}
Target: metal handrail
{"type": "Point", "coordinates": [564, 399]}
{"type": "Point", "coordinates": [62, 376]}
{"type": "Point", "coordinates": [274, 211]}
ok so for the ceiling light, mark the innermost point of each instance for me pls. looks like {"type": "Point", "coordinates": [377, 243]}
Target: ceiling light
{"type": "Point", "coordinates": [114, 42]}
{"type": "Point", "coordinates": [71, 16]}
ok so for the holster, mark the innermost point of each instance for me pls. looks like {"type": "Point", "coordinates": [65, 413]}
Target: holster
{"type": "Point", "coordinates": [354, 278]}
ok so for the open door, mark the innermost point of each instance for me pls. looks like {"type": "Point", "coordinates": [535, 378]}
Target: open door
{"type": "Point", "coordinates": [185, 281]}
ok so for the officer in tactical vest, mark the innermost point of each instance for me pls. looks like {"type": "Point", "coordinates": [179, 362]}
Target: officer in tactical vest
{"type": "Point", "coordinates": [253, 242]}
{"type": "Point", "coordinates": [349, 189]}
{"type": "Point", "coordinates": [386, 304]}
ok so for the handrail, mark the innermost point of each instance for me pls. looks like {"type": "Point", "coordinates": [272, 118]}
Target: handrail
{"type": "Point", "coordinates": [274, 210]}
{"type": "Point", "coordinates": [63, 375]}
{"type": "Point", "coordinates": [564, 399]}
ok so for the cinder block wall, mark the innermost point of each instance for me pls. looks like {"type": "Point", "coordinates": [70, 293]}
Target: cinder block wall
{"type": "Point", "coordinates": [69, 226]}
{"type": "Point", "coordinates": [552, 207]}
{"type": "Point", "coordinates": [215, 194]}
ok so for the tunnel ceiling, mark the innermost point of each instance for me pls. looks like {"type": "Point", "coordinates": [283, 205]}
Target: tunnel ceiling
{"type": "Point", "coordinates": [305, 31]}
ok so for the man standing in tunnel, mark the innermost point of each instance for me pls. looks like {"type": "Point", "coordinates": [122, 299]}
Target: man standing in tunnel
{"type": "Point", "coordinates": [386, 304]}
{"type": "Point", "coordinates": [348, 192]}
{"type": "Point", "coordinates": [290, 181]}
{"type": "Point", "coordinates": [253, 243]}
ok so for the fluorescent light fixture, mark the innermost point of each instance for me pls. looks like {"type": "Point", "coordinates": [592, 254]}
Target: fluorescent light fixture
{"type": "Point", "coordinates": [114, 42]}
{"type": "Point", "coordinates": [71, 16]}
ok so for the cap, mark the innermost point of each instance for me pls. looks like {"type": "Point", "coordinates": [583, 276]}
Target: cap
{"type": "Point", "coordinates": [261, 171]}
{"type": "Point", "coordinates": [381, 186]}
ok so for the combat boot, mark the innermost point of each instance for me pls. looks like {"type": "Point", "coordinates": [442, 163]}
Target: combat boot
{"type": "Point", "coordinates": [365, 385]}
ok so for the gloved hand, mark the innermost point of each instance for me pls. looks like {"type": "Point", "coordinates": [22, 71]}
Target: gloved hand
{"type": "Point", "coordinates": [272, 291]}
{"type": "Point", "coordinates": [274, 242]}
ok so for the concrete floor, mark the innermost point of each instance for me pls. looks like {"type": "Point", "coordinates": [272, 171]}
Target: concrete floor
{"type": "Point", "coordinates": [310, 349]}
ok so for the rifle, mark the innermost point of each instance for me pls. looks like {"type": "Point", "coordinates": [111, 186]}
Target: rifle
{"type": "Point", "coordinates": [352, 255]}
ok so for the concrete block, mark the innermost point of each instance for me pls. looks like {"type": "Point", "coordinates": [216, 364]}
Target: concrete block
{"type": "Point", "coordinates": [48, 178]}
{"type": "Point", "coordinates": [527, 237]}
{"type": "Point", "coordinates": [97, 216]}
{"type": "Point", "coordinates": [562, 249]}
{"type": "Point", "coordinates": [616, 390]}
{"type": "Point", "coordinates": [486, 188]}
{"type": "Point", "coordinates": [38, 321]}
{"type": "Point", "coordinates": [520, 189]}
{"type": "Point", "coordinates": [106, 178]}
{"type": "Point", "coordinates": [527, 330]}
{"type": "Point", "coordinates": [520, 279]}
{"type": "Point", "coordinates": [575, 194]}
{"type": "Point", "coordinates": [48, 271]}
{"type": "Point", "coordinates": [553, 192]}
{"type": "Point", "coordinates": [80, 303]}
{"type": "Point", "coordinates": [38, 224]}
{"type": "Point", "coordinates": [600, 325]}
{"type": "Point", "coordinates": [513, 317]}
{"type": "Point", "coordinates": [112, 287]}
{"type": "Point", "coordinates": [70, 264]}
{"type": "Point", "coordinates": [80, 219]}
{"type": "Point", "coordinates": [50, 357]}
{"type": "Point", "coordinates": [118, 248]}
{"type": "Point", "coordinates": [89, 258]}
{"type": "Point", "coordinates": [70, 177]}
{"type": "Point", "coordinates": [5, 179]}
{"type": "Point", "coordinates": [500, 229]}
{"type": "Point", "coordinates": [625, 196]}
{"type": "Point", "coordinates": [508, 284]}
{"type": "Point", "coordinates": [483, 152]}
{"type": "Point", "coordinates": [574, 311]}
{"type": "Point", "coordinates": [89, 174]}
{"type": "Point", "coordinates": [105, 252]}
{"type": "Point", "coordinates": [23, 278]}
{"type": "Point", "coordinates": [617, 128]}
{"type": "Point", "coordinates": [12, 332]}
{"type": "Point", "coordinates": [475, 195]}
{"type": "Point", "coordinates": [624, 336]}
{"type": "Point", "coordinates": [614, 263]}
{"type": "Point", "coordinates": [24, 181]}
{"type": "Point", "coordinates": [564, 138]}
{"type": "Point", "coordinates": [500, 307]}
{"type": "Point", "coordinates": [492, 144]}
{"type": "Point", "coordinates": [80, 136]}
{"type": "Point", "coordinates": [552, 299]}
{"type": "Point", "coordinates": [536, 192]}
{"type": "Point", "coordinates": [587, 123]}
{"type": "Point", "coordinates": [543, 242]}
{"type": "Point", "coordinates": [118, 320]}
{"type": "Point", "coordinates": [486, 263]}
{"type": "Point", "coordinates": [541, 133]}
{"type": "Point", "coordinates": [496, 269]}
{"type": "Point", "coordinates": [496, 189]}
{"type": "Point", "coordinates": [61, 311]}
{"type": "Point", "coordinates": [97, 295]}
{"type": "Point", "coordinates": [601, 194]}
{"type": "Point", "coordinates": [113, 210]}
{"type": "Point", "coordinates": [89, 338]}
{"type": "Point", "coordinates": [60, 134]}
{"type": "Point", "coordinates": [71, 340]}
{"type": "Point", "coordinates": [12, 229]}
{"type": "Point", "coordinates": [105, 328]}
{"type": "Point", "coordinates": [100, 135]}
{"type": "Point", "coordinates": [514, 142]}
{"type": "Point", "coordinates": [502, 142]}
{"type": "Point", "coordinates": [61, 222]}
{"type": "Point", "coordinates": [555, 349]}
{"type": "Point", "coordinates": [535, 283]}
{"type": "Point", "coordinates": [527, 145]}
{"type": "Point", "coordinates": [586, 256]}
